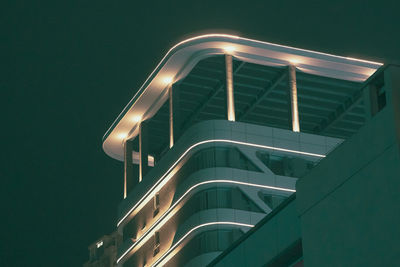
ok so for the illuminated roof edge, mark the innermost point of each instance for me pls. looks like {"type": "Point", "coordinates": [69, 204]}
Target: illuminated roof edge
{"type": "Point", "coordinates": [181, 58]}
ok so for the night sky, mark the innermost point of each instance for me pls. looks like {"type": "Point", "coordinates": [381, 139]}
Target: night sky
{"type": "Point", "coordinates": [69, 67]}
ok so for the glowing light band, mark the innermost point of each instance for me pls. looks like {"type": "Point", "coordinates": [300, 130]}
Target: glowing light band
{"type": "Point", "coordinates": [191, 231]}
{"type": "Point", "coordinates": [166, 176]}
{"type": "Point", "coordinates": [188, 233]}
{"type": "Point", "coordinates": [230, 38]}
{"type": "Point", "coordinates": [168, 214]}
{"type": "Point", "coordinates": [160, 181]}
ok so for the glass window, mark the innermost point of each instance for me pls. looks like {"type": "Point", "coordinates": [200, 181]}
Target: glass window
{"type": "Point", "coordinates": [272, 200]}
{"type": "Point", "coordinates": [286, 166]}
{"type": "Point", "coordinates": [208, 241]}
{"type": "Point", "coordinates": [213, 198]}
{"type": "Point", "coordinates": [216, 157]}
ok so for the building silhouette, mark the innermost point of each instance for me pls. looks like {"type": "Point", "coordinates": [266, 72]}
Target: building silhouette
{"type": "Point", "coordinates": [239, 152]}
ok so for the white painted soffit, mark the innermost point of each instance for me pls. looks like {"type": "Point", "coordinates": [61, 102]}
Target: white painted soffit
{"type": "Point", "coordinates": [181, 59]}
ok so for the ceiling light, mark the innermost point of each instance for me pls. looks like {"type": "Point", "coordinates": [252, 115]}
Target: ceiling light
{"type": "Point", "coordinates": [229, 49]}
{"type": "Point", "coordinates": [167, 80]}
{"type": "Point", "coordinates": [122, 135]}
{"type": "Point", "coordinates": [137, 118]}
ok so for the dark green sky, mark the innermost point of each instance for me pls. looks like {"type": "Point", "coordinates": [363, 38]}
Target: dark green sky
{"type": "Point", "coordinates": [69, 67]}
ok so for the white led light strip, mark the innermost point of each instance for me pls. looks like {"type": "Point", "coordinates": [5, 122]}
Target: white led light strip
{"type": "Point", "coordinates": [235, 40]}
{"type": "Point", "coordinates": [168, 214]}
{"type": "Point", "coordinates": [265, 43]}
{"type": "Point", "coordinates": [244, 39]}
{"type": "Point", "coordinates": [161, 259]}
{"type": "Point", "coordinates": [161, 182]}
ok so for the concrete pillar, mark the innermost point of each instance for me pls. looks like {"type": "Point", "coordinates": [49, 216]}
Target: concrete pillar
{"type": "Point", "coordinates": [174, 119]}
{"type": "Point", "coordinates": [229, 88]}
{"type": "Point", "coordinates": [370, 95]}
{"type": "Point", "coordinates": [392, 86]}
{"type": "Point", "coordinates": [128, 165]}
{"type": "Point", "coordinates": [143, 149]}
{"type": "Point", "coordinates": [294, 109]}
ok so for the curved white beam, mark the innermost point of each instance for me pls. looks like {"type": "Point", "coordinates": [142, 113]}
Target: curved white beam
{"type": "Point", "coordinates": [164, 258]}
{"type": "Point", "coordinates": [181, 58]}
{"type": "Point", "coordinates": [162, 181]}
{"type": "Point", "coordinates": [156, 226]}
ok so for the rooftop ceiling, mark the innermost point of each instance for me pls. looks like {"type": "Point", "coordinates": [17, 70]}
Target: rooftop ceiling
{"type": "Point", "coordinates": [329, 90]}
{"type": "Point", "coordinates": [327, 106]}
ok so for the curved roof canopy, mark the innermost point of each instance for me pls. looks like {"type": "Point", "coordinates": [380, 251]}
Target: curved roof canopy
{"type": "Point", "coordinates": [183, 57]}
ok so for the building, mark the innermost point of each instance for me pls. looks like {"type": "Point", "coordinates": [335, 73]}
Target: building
{"type": "Point", "coordinates": [215, 140]}
{"type": "Point", "coordinates": [103, 252]}
{"type": "Point", "coordinates": [345, 211]}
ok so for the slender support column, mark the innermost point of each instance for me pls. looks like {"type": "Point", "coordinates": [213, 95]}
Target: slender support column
{"type": "Point", "coordinates": [143, 150]}
{"type": "Point", "coordinates": [128, 165]}
{"type": "Point", "coordinates": [131, 169]}
{"type": "Point", "coordinates": [370, 95]}
{"type": "Point", "coordinates": [229, 88]}
{"type": "Point", "coordinates": [392, 89]}
{"type": "Point", "coordinates": [174, 120]}
{"type": "Point", "coordinates": [293, 99]}
{"type": "Point", "coordinates": [171, 117]}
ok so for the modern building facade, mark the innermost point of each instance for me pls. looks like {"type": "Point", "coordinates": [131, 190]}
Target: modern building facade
{"type": "Point", "coordinates": [215, 140]}
{"type": "Point", "coordinates": [345, 211]}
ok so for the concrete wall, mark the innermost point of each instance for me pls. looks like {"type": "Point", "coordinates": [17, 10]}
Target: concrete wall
{"type": "Point", "coordinates": [349, 205]}
{"type": "Point", "coordinates": [272, 236]}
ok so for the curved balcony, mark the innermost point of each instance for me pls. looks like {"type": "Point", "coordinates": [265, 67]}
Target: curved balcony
{"type": "Point", "coordinates": [277, 142]}
{"type": "Point", "coordinates": [209, 155]}
{"type": "Point", "coordinates": [210, 179]}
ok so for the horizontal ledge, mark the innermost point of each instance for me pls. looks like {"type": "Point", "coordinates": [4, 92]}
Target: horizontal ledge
{"type": "Point", "coordinates": [181, 58]}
